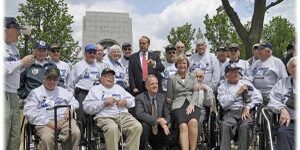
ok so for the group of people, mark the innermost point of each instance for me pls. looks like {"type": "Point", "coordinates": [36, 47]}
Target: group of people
{"type": "Point", "coordinates": [138, 96]}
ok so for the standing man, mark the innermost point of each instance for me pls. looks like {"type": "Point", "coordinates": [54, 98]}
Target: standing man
{"type": "Point", "coordinates": [254, 57]}
{"type": "Point", "coordinates": [141, 64]}
{"type": "Point", "coordinates": [267, 71]}
{"type": "Point", "coordinates": [13, 66]}
{"type": "Point", "coordinates": [207, 62]}
{"type": "Point", "coordinates": [180, 48]}
{"type": "Point", "coordinates": [222, 56]}
{"type": "Point", "coordinates": [154, 116]}
{"type": "Point", "coordinates": [127, 52]}
{"type": "Point", "coordinates": [99, 57]}
{"type": "Point", "coordinates": [84, 76]}
{"type": "Point", "coordinates": [64, 68]}
{"type": "Point", "coordinates": [33, 76]}
{"type": "Point", "coordinates": [110, 102]}
{"type": "Point", "coordinates": [169, 65]}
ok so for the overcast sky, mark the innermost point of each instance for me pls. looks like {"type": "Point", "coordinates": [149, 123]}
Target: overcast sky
{"type": "Point", "coordinates": [155, 18]}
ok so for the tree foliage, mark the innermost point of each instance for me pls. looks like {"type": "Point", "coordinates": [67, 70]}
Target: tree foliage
{"type": "Point", "coordinates": [220, 31]}
{"type": "Point", "coordinates": [50, 22]}
{"type": "Point", "coordinates": [251, 36]}
{"type": "Point", "coordinates": [184, 33]}
{"type": "Point", "coordinates": [280, 32]}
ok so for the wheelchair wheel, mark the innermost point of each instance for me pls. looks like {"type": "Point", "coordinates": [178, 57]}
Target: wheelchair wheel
{"type": "Point", "coordinates": [213, 128]}
{"type": "Point", "coordinates": [30, 142]}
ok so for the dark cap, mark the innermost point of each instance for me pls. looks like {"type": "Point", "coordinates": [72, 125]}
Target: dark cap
{"type": "Point", "coordinates": [222, 48]}
{"type": "Point", "coordinates": [12, 22]}
{"type": "Point", "coordinates": [265, 45]}
{"type": "Point", "coordinates": [170, 47]}
{"type": "Point", "coordinates": [90, 48]}
{"type": "Point", "coordinates": [233, 46]}
{"type": "Point", "coordinates": [106, 71]}
{"type": "Point", "coordinates": [126, 45]}
{"type": "Point", "coordinates": [52, 73]}
{"type": "Point", "coordinates": [54, 46]}
{"type": "Point", "coordinates": [232, 67]}
{"type": "Point", "coordinates": [40, 45]}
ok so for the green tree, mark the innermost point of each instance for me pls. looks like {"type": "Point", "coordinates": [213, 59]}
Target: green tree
{"type": "Point", "coordinates": [184, 33]}
{"type": "Point", "coordinates": [253, 35]}
{"type": "Point", "coordinates": [280, 32]}
{"type": "Point", "coordinates": [50, 22]}
{"type": "Point", "coordinates": [220, 31]}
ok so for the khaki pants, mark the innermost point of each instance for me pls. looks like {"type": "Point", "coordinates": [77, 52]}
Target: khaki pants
{"type": "Point", "coordinates": [12, 121]}
{"type": "Point", "coordinates": [46, 135]}
{"type": "Point", "coordinates": [132, 130]}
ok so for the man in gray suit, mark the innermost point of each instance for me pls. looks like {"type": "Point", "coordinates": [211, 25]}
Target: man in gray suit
{"type": "Point", "coordinates": [154, 116]}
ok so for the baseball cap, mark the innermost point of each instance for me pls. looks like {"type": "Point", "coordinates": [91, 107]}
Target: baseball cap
{"type": "Point", "coordinates": [125, 45]}
{"type": "Point", "coordinates": [255, 46]}
{"type": "Point", "coordinates": [106, 71]}
{"type": "Point", "coordinates": [12, 22]}
{"type": "Point", "coordinates": [39, 44]}
{"type": "Point", "coordinates": [170, 47]}
{"type": "Point", "coordinates": [90, 48]}
{"type": "Point", "coordinates": [233, 46]}
{"type": "Point", "coordinates": [54, 46]}
{"type": "Point", "coordinates": [232, 67]}
{"type": "Point", "coordinates": [52, 73]}
{"type": "Point", "coordinates": [265, 45]}
{"type": "Point", "coordinates": [222, 48]}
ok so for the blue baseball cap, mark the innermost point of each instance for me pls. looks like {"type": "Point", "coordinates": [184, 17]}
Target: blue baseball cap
{"type": "Point", "coordinates": [90, 48]}
{"type": "Point", "coordinates": [40, 45]}
{"type": "Point", "coordinates": [265, 45]}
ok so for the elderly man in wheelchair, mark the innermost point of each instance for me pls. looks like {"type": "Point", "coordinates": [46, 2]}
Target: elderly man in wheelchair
{"type": "Point", "coordinates": [282, 102]}
{"type": "Point", "coordinates": [39, 111]}
{"type": "Point", "coordinates": [237, 99]}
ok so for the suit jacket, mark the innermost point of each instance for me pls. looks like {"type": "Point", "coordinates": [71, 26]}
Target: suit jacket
{"type": "Point", "coordinates": [143, 108]}
{"type": "Point", "coordinates": [136, 73]}
{"type": "Point", "coordinates": [179, 91]}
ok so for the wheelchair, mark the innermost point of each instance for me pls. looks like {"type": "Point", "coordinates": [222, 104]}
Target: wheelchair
{"type": "Point", "coordinates": [31, 139]}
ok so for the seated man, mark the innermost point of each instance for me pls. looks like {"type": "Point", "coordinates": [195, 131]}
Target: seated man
{"type": "Point", "coordinates": [152, 112]}
{"type": "Point", "coordinates": [237, 98]}
{"type": "Point", "coordinates": [282, 101]}
{"type": "Point", "coordinates": [38, 110]}
{"type": "Point", "coordinates": [109, 102]}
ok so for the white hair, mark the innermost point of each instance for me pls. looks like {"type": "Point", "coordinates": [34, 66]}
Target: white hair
{"type": "Point", "coordinates": [114, 48]}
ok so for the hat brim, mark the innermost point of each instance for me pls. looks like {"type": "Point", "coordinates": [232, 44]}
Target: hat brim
{"type": "Point", "coordinates": [107, 72]}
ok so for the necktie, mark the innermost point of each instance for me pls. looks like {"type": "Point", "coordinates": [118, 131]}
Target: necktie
{"type": "Point", "coordinates": [155, 115]}
{"type": "Point", "coordinates": [144, 66]}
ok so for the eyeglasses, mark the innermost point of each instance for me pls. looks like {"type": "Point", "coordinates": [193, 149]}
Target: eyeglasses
{"type": "Point", "coordinates": [171, 52]}
{"type": "Point", "coordinates": [200, 76]}
{"type": "Point", "coordinates": [180, 47]}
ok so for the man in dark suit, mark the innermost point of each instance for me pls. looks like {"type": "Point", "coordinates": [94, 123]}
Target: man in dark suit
{"type": "Point", "coordinates": [142, 64]}
{"type": "Point", "coordinates": [153, 115]}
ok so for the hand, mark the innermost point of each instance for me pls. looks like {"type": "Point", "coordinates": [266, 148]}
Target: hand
{"type": "Point", "coordinates": [242, 89]}
{"type": "Point", "coordinates": [135, 90]}
{"type": "Point", "coordinates": [166, 129]}
{"type": "Point", "coordinates": [109, 101]}
{"type": "Point", "coordinates": [51, 125]}
{"type": "Point", "coordinates": [162, 121]}
{"type": "Point", "coordinates": [66, 114]}
{"type": "Point", "coordinates": [199, 86]}
{"type": "Point", "coordinates": [246, 113]}
{"type": "Point", "coordinates": [190, 109]}
{"type": "Point", "coordinates": [27, 61]}
{"type": "Point", "coordinates": [284, 117]}
{"type": "Point", "coordinates": [151, 62]}
{"type": "Point", "coordinates": [122, 103]}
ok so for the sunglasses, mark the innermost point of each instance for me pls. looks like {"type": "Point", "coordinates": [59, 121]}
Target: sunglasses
{"type": "Point", "coordinates": [180, 47]}
{"type": "Point", "coordinates": [55, 51]}
{"type": "Point", "coordinates": [92, 52]}
{"type": "Point", "coordinates": [233, 50]}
